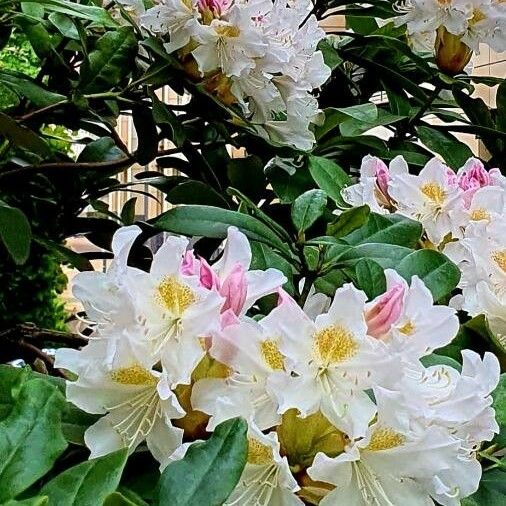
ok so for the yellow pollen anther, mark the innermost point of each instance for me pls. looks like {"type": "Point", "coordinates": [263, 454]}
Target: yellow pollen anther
{"type": "Point", "coordinates": [408, 328]}
{"type": "Point", "coordinates": [384, 438]}
{"type": "Point", "coordinates": [271, 354]}
{"type": "Point", "coordinates": [434, 192]}
{"type": "Point", "coordinates": [478, 16]}
{"type": "Point", "coordinates": [258, 453]}
{"type": "Point", "coordinates": [499, 258]}
{"type": "Point", "coordinates": [479, 214]}
{"type": "Point", "coordinates": [135, 375]}
{"type": "Point", "coordinates": [334, 344]}
{"type": "Point", "coordinates": [175, 296]}
{"type": "Point", "coordinates": [228, 31]}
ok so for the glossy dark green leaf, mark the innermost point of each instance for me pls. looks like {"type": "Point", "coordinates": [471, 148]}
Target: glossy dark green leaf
{"type": "Point", "coordinates": [348, 221]}
{"type": "Point", "coordinates": [88, 12]}
{"type": "Point", "coordinates": [88, 483]}
{"type": "Point", "coordinates": [195, 192]}
{"type": "Point", "coordinates": [22, 137]}
{"type": "Point", "coordinates": [210, 470]}
{"type": "Point", "coordinates": [15, 232]}
{"type": "Point", "coordinates": [31, 438]}
{"type": "Point", "coordinates": [437, 359]}
{"type": "Point", "coordinates": [163, 115]}
{"type": "Point", "coordinates": [307, 208]}
{"type": "Point", "coordinates": [370, 277]}
{"type": "Point", "coordinates": [147, 134]}
{"type": "Point", "coordinates": [328, 176]}
{"type": "Point", "coordinates": [25, 87]}
{"type": "Point", "coordinates": [101, 150]}
{"type": "Point", "coordinates": [386, 229]}
{"type": "Point", "coordinates": [213, 222]}
{"type": "Point", "coordinates": [387, 255]}
{"type": "Point", "coordinates": [453, 151]}
{"type": "Point", "coordinates": [109, 62]}
{"type": "Point", "coordinates": [32, 501]}
{"type": "Point", "coordinates": [128, 211]}
{"type": "Point", "coordinates": [65, 25]}
{"type": "Point", "coordinates": [440, 275]}
{"type": "Point", "coordinates": [492, 491]}
{"type": "Point", "coordinates": [263, 258]}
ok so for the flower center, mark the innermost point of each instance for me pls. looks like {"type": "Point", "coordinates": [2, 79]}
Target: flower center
{"type": "Point", "coordinates": [499, 258]}
{"type": "Point", "coordinates": [434, 192]}
{"type": "Point", "coordinates": [271, 354]}
{"type": "Point", "coordinates": [135, 375]}
{"type": "Point", "coordinates": [384, 438]}
{"type": "Point", "coordinates": [258, 453]}
{"type": "Point", "coordinates": [335, 344]}
{"type": "Point", "coordinates": [176, 297]}
{"type": "Point", "coordinates": [408, 328]}
{"type": "Point", "coordinates": [479, 214]}
{"type": "Point", "coordinates": [478, 16]}
{"type": "Point", "coordinates": [227, 31]}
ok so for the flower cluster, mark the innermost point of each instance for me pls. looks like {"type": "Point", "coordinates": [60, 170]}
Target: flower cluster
{"type": "Point", "coordinates": [339, 405]}
{"type": "Point", "coordinates": [259, 54]}
{"type": "Point", "coordinates": [458, 28]}
{"type": "Point", "coordinates": [462, 214]}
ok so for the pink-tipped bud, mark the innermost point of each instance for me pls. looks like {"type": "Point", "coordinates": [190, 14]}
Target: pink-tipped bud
{"type": "Point", "coordinates": [384, 311]}
{"type": "Point", "coordinates": [228, 318]}
{"type": "Point", "coordinates": [474, 176]}
{"type": "Point", "coordinates": [216, 7]}
{"type": "Point", "coordinates": [208, 278]}
{"type": "Point", "coordinates": [234, 289]}
{"type": "Point", "coordinates": [190, 265]}
{"type": "Point", "coordinates": [382, 177]}
{"type": "Point", "coordinates": [452, 178]}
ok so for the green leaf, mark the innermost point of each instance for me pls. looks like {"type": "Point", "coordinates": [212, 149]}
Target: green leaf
{"type": "Point", "coordinates": [88, 483]}
{"type": "Point", "coordinates": [118, 499]}
{"type": "Point", "coordinates": [74, 421]}
{"type": "Point", "coordinates": [31, 438]}
{"type": "Point", "coordinates": [209, 472]}
{"type": "Point", "coordinates": [387, 255]}
{"type": "Point", "coordinates": [21, 136]}
{"type": "Point", "coordinates": [348, 221]}
{"type": "Point", "coordinates": [128, 211]}
{"type": "Point", "coordinates": [499, 396]}
{"type": "Point", "coordinates": [454, 152]}
{"type": "Point", "coordinates": [88, 12]}
{"type": "Point", "coordinates": [25, 87]}
{"type": "Point", "coordinates": [195, 192]}
{"type": "Point", "coordinates": [101, 150]}
{"type": "Point", "coordinates": [147, 134]}
{"type": "Point", "coordinates": [164, 116]}
{"type": "Point", "coordinates": [354, 127]}
{"type": "Point", "coordinates": [109, 62]}
{"type": "Point", "coordinates": [329, 177]}
{"type": "Point", "coordinates": [307, 208]}
{"type": "Point", "coordinates": [492, 491]}
{"type": "Point", "coordinates": [64, 25]}
{"type": "Point", "coordinates": [15, 232]}
{"type": "Point", "coordinates": [439, 274]}
{"type": "Point", "coordinates": [213, 222]}
{"type": "Point", "coordinates": [370, 277]}
{"type": "Point", "coordinates": [391, 229]}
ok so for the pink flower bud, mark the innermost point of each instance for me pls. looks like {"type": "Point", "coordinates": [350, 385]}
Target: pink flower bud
{"type": "Point", "coordinates": [382, 177]}
{"type": "Point", "coordinates": [190, 265]}
{"type": "Point", "coordinates": [474, 176]}
{"type": "Point", "coordinates": [234, 289]}
{"type": "Point", "coordinates": [208, 278]}
{"type": "Point", "coordinates": [228, 318]}
{"type": "Point", "coordinates": [384, 311]}
{"type": "Point", "coordinates": [216, 7]}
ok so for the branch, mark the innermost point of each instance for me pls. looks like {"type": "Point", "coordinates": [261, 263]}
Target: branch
{"type": "Point", "coordinates": [30, 332]}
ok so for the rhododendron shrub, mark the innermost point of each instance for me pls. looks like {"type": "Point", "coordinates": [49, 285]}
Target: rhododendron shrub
{"type": "Point", "coordinates": [318, 315]}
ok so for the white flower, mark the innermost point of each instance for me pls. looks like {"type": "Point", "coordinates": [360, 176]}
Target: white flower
{"type": "Point", "coordinates": [137, 401]}
{"type": "Point", "coordinates": [372, 188]}
{"type": "Point", "coordinates": [251, 352]}
{"type": "Point", "coordinates": [396, 463]}
{"type": "Point", "coordinates": [407, 321]}
{"type": "Point", "coordinates": [329, 362]}
{"type": "Point", "coordinates": [105, 296]}
{"type": "Point", "coordinates": [175, 312]}
{"type": "Point", "coordinates": [428, 197]}
{"type": "Point", "coordinates": [178, 18]}
{"type": "Point", "coordinates": [266, 479]}
{"type": "Point", "coordinates": [230, 46]}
